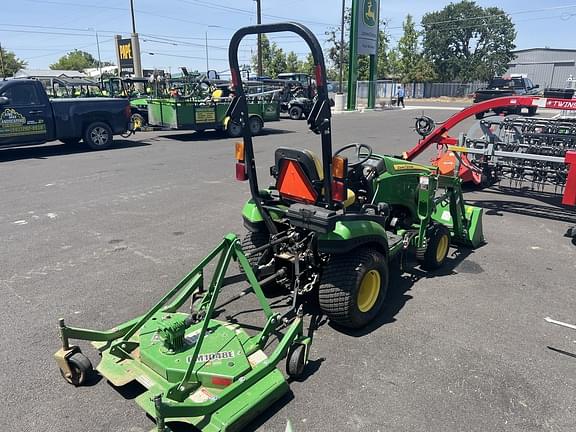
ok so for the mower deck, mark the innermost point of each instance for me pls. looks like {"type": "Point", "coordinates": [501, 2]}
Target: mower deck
{"type": "Point", "coordinates": [195, 369]}
{"type": "Point", "coordinates": [223, 362]}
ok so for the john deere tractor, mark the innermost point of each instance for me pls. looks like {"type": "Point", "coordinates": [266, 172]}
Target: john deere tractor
{"type": "Point", "coordinates": [330, 226]}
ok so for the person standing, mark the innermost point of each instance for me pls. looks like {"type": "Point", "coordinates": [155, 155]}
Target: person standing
{"type": "Point", "coordinates": [400, 95]}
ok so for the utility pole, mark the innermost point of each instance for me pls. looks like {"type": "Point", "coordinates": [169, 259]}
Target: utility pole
{"type": "Point", "coordinates": [135, 45]}
{"type": "Point", "coordinates": [342, 47]}
{"type": "Point", "coordinates": [259, 21]}
{"type": "Point", "coordinates": [99, 58]}
{"type": "Point", "coordinates": [207, 66]}
{"type": "Point", "coordinates": [2, 62]}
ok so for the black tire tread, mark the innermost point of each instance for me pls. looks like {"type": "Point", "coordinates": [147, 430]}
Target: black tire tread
{"type": "Point", "coordinates": [337, 285]}
{"type": "Point", "coordinates": [427, 256]}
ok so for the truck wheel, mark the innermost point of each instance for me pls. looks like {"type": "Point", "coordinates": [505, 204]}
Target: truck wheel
{"type": "Point", "coordinates": [433, 256]}
{"type": "Point", "coordinates": [234, 130]}
{"type": "Point", "coordinates": [256, 125]}
{"type": "Point", "coordinates": [98, 136]}
{"type": "Point", "coordinates": [71, 141]}
{"type": "Point", "coordinates": [295, 113]}
{"type": "Point", "coordinates": [353, 288]}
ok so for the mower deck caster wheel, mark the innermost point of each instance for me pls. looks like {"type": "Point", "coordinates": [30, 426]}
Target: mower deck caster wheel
{"type": "Point", "coordinates": [80, 367]}
{"type": "Point", "coordinates": [296, 361]}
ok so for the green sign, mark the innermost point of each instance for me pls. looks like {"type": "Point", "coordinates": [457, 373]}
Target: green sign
{"type": "Point", "coordinates": [368, 16]}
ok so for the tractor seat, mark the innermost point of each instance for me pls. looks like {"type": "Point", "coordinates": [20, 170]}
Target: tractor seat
{"type": "Point", "coordinates": [299, 176]}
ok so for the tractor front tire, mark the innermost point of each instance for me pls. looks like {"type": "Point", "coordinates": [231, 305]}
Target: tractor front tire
{"type": "Point", "coordinates": [434, 255]}
{"type": "Point", "coordinates": [353, 288]}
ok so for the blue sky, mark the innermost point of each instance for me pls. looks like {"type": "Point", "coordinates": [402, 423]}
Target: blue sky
{"type": "Point", "coordinates": [173, 32]}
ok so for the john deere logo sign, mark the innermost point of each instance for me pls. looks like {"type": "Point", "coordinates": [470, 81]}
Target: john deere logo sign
{"type": "Point", "coordinates": [369, 15]}
{"type": "Point", "coordinates": [366, 15]}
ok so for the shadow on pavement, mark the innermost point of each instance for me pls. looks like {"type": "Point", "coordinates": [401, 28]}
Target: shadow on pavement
{"type": "Point", "coordinates": [402, 278]}
{"type": "Point", "coordinates": [51, 150]}
{"type": "Point", "coordinates": [522, 201]}
{"type": "Point", "coordinates": [214, 135]}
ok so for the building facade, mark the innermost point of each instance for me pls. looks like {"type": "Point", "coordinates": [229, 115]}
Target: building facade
{"type": "Point", "coordinates": [547, 67]}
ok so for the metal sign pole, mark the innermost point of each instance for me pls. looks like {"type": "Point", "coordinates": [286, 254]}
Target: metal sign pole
{"type": "Point", "coordinates": [353, 58]}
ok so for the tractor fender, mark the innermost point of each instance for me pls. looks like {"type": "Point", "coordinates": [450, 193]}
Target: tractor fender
{"type": "Point", "coordinates": [349, 235]}
{"type": "Point", "coordinates": [253, 220]}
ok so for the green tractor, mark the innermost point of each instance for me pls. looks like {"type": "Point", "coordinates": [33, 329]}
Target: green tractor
{"type": "Point", "coordinates": [331, 226]}
{"type": "Point", "coordinates": [328, 226]}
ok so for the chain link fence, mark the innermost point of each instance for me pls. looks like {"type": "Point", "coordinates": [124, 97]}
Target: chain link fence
{"type": "Point", "coordinates": [386, 91]}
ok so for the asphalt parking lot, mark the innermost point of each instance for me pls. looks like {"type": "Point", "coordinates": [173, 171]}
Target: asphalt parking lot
{"type": "Point", "coordinates": [96, 237]}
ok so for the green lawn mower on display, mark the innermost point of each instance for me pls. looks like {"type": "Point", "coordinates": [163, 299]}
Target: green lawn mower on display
{"type": "Point", "coordinates": [326, 228]}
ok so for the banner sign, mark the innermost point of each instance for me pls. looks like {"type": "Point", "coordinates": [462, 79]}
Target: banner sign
{"type": "Point", "coordinates": [368, 16]}
{"type": "Point", "coordinates": [126, 56]}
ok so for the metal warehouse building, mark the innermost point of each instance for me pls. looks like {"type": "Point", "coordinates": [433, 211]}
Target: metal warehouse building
{"type": "Point", "coordinates": [548, 67]}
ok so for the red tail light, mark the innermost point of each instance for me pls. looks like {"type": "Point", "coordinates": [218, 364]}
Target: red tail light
{"type": "Point", "coordinates": [241, 171]}
{"type": "Point", "coordinates": [338, 191]}
{"type": "Point", "coordinates": [319, 76]}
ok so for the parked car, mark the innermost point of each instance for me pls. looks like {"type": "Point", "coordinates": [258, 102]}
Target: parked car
{"type": "Point", "coordinates": [28, 116]}
{"type": "Point", "coordinates": [507, 86]}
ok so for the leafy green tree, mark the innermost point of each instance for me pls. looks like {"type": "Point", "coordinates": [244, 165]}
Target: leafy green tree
{"type": "Point", "coordinates": [274, 60]}
{"type": "Point", "coordinates": [75, 60]}
{"type": "Point", "coordinates": [410, 64]}
{"type": "Point", "coordinates": [467, 42]}
{"type": "Point", "coordinates": [292, 62]}
{"type": "Point", "coordinates": [307, 66]}
{"type": "Point", "coordinates": [11, 64]}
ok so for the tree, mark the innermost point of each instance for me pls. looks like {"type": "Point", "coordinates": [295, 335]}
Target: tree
{"type": "Point", "coordinates": [410, 64]}
{"type": "Point", "coordinates": [75, 60]}
{"type": "Point", "coordinates": [292, 62]}
{"type": "Point", "coordinates": [274, 60]}
{"type": "Point", "coordinates": [467, 42]}
{"type": "Point", "coordinates": [307, 66]}
{"type": "Point", "coordinates": [11, 63]}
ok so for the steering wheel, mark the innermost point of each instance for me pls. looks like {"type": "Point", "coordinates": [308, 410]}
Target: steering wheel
{"type": "Point", "coordinates": [359, 155]}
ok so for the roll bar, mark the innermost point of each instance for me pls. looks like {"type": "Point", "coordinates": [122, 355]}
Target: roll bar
{"type": "Point", "coordinates": [318, 120]}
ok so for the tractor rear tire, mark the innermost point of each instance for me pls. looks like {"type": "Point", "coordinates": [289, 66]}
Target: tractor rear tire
{"type": "Point", "coordinates": [252, 241]}
{"type": "Point", "coordinates": [81, 369]}
{"type": "Point", "coordinates": [434, 255]}
{"type": "Point", "coordinates": [353, 288]}
{"type": "Point", "coordinates": [295, 113]}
